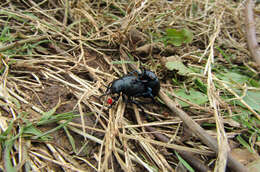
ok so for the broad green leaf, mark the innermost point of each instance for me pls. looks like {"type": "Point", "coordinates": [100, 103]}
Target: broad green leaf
{"type": "Point", "coordinates": [188, 35]}
{"type": "Point", "coordinates": [178, 37]}
{"type": "Point", "coordinates": [254, 83]}
{"type": "Point", "coordinates": [179, 66]}
{"type": "Point", "coordinates": [234, 77]}
{"type": "Point", "coordinates": [252, 98]}
{"type": "Point", "coordinates": [194, 96]}
{"type": "Point", "coordinates": [176, 41]}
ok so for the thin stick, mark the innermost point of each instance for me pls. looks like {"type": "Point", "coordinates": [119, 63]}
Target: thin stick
{"type": "Point", "coordinates": [195, 162]}
{"type": "Point", "coordinates": [250, 31]}
{"type": "Point", "coordinates": [200, 132]}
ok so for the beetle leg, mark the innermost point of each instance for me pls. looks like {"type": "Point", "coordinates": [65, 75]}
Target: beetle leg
{"type": "Point", "coordinates": [124, 98]}
{"type": "Point", "coordinates": [150, 95]}
{"type": "Point", "coordinates": [143, 71]}
{"type": "Point", "coordinates": [135, 72]}
{"type": "Point", "coordinates": [153, 100]}
{"type": "Point", "coordinates": [137, 104]}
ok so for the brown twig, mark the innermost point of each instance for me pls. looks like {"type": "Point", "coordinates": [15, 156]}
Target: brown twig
{"type": "Point", "coordinates": [200, 132]}
{"type": "Point", "coordinates": [250, 31]}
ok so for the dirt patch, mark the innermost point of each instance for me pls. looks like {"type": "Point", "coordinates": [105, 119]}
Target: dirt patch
{"type": "Point", "coordinates": [47, 99]}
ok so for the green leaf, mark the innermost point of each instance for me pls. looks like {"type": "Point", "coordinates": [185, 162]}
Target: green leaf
{"type": "Point", "coordinates": [226, 56]}
{"type": "Point", "coordinates": [49, 114]}
{"type": "Point", "coordinates": [175, 41]}
{"type": "Point", "coordinates": [179, 66]}
{"type": "Point", "coordinates": [194, 96]}
{"type": "Point", "coordinates": [123, 62]}
{"type": "Point", "coordinates": [59, 117]}
{"type": "Point", "coordinates": [31, 15]}
{"type": "Point", "coordinates": [188, 35]}
{"type": "Point", "coordinates": [178, 37]}
{"type": "Point", "coordinates": [201, 85]}
{"type": "Point", "coordinates": [187, 166]}
{"type": "Point", "coordinates": [6, 36]}
{"type": "Point", "coordinates": [252, 98]}
{"type": "Point", "coordinates": [244, 143]}
{"type": "Point", "coordinates": [7, 156]}
{"type": "Point", "coordinates": [31, 130]}
{"type": "Point", "coordinates": [234, 77]}
{"type": "Point", "coordinates": [71, 139]}
{"type": "Point", "coordinates": [52, 130]}
{"type": "Point", "coordinates": [9, 129]}
{"type": "Point", "coordinates": [175, 81]}
{"type": "Point", "coordinates": [254, 83]}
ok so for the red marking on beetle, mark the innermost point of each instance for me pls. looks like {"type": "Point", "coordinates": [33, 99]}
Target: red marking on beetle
{"type": "Point", "coordinates": [109, 101]}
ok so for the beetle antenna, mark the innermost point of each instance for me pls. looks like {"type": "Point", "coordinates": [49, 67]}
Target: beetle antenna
{"type": "Point", "coordinates": [105, 85]}
{"type": "Point", "coordinates": [103, 95]}
{"type": "Point", "coordinates": [107, 91]}
{"type": "Point", "coordinates": [143, 71]}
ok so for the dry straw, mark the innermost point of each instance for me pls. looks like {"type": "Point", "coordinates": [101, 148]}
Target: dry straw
{"type": "Point", "coordinates": [74, 47]}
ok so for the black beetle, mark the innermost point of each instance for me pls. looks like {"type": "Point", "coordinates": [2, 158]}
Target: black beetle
{"type": "Point", "coordinates": [150, 80]}
{"type": "Point", "coordinates": [145, 84]}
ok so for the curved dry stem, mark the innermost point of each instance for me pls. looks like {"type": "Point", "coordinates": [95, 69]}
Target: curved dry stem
{"type": "Point", "coordinates": [250, 31]}
{"type": "Point", "coordinates": [200, 132]}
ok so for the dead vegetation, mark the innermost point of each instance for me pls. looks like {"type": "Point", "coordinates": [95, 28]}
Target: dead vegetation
{"type": "Point", "coordinates": [57, 55]}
